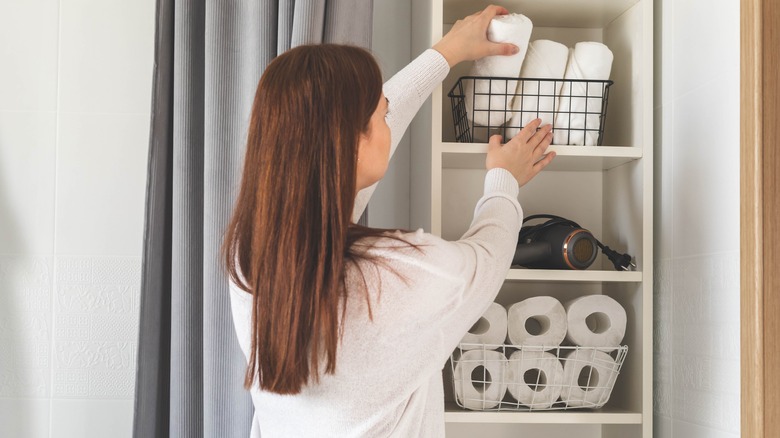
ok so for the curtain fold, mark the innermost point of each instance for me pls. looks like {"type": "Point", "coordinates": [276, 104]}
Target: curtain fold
{"type": "Point", "coordinates": [152, 394]}
{"type": "Point", "coordinates": [208, 60]}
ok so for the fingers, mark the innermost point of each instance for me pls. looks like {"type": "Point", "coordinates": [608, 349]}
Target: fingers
{"type": "Point", "coordinates": [504, 49]}
{"type": "Point", "coordinates": [494, 146]}
{"type": "Point", "coordinates": [544, 162]}
{"type": "Point", "coordinates": [542, 148]}
{"type": "Point", "coordinates": [494, 143]}
{"type": "Point", "coordinates": [540, 135]}
{"type": "Point", "coordinates": [476, 14]}
{"type": "Point", "coordinates": [493, 10]}
{"type": "Point", "coordinates": [528, 131]}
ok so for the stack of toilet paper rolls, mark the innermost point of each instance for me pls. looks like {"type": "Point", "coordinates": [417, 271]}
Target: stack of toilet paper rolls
{"type": "Point", "coordinates": [574, 109]}
{"type": "Point", "coordinates": [521, 351]}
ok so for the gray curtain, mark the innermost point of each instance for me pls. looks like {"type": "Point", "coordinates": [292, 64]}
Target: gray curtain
{"type": "Point", "coordinates": [209, 56]}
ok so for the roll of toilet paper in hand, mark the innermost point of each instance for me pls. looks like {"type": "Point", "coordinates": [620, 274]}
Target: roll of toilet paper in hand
{"type": "Point", "coordinates": [595, 321]}
{"type": "Point", "coordinates": [494, 109]}
{"type": "Point", "coordinates": [480, 379]}
{"type": "Point", "coordinates": [588, 378]}
{"type": "Point", "coordinates": [489, 329]}
{"type": "Point", "coordinates": [534, 378]}
{"type": "Point", "coordinates": [536, 99]}
{"type": "Point", "coordinates": [579, 107]}
{"type": "Point", "coordinates": [539, 321]}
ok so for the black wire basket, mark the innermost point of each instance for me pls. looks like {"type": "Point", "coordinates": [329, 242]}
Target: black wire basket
{"type": "Point", "coordinates": [485, 106]}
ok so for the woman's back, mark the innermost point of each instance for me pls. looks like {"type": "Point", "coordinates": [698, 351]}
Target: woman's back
{"type": "Point", "coordinates": [388, 376]}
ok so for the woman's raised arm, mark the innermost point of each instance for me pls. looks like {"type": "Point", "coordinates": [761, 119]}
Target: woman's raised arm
{"type": "Point", "coordinates": [410, 87]}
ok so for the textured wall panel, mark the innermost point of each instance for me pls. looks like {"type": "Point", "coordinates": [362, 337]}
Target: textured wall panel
{"type": "Point", "coordinates": [25, 330]}
{"type": "Point", "coordinates": [95, 327]}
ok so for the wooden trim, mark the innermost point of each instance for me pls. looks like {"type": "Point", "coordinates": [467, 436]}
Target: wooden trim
{"type": "Point", "coordinates": [751, 269]}
{"type": "Point", "coordinates": [760, 219]}
{"type": "Point", "coordinates": [770, 55]}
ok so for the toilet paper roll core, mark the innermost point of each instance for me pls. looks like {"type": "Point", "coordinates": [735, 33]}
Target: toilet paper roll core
{"type": "Point", "coordinates": [536, 321]}
{"type": "Point", "coordinates": [534, 378]}
{"type": "Point", "coordinates": [588, 378]}
{"type": "Point", "coordinates": [596, 321]}
{"type": "Point", "coordinates": [480, 379]}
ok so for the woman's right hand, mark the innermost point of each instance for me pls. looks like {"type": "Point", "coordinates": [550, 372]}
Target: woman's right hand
{"type": "Point", "coordinates": [467, 40]}
{"type": "Point", "coordinates": [525, 154]}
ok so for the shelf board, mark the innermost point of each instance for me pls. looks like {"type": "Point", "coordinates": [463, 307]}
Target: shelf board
{"type": "Point", "coordinates": [593, 276]}
{"type": "Point", "coordinates": [455, 414]}
{"type": "Point", "coordinates": [548, 13]}
{"type": "Point", "coordinates": [568, 158]}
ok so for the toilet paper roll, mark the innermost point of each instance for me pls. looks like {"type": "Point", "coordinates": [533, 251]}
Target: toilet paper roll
{"type": "Point", "coordinates": [510, 28]}
{"type": "Point", "coordinates": [546, 318]}
{"type": "Point", "coordinates": [489, 329]}
{"type": "Point", "coordinates": [536, 99]}
{"type": "Point", "coordinates": [484, 388]}
{"type": "Point", "coordinates": [595, 321]}
{"type": "Point", "coordinates": [579, 107]}
{"type": "Point", "coordinates": [534, 378]}
{"type": "Point", "coordinates": [588, 378]}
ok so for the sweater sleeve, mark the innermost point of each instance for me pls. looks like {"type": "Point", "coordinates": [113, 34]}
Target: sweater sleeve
{"type": "Point", "coordinates": [406, 91]}
{"type": "Point", "coordinates": [481, 258]}
{"type": "Point", "coordinates": [455, 282]}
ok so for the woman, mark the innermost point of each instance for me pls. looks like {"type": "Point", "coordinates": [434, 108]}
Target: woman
{"type": "Point", "coordinates": [346, 328]}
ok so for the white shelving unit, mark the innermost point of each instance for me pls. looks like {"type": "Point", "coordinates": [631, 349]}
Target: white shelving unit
{"type": "Point", "coordinates": [454, 414]}
{"type": "Point", "coordinates": [607, 189]}
{"type": "Point", "coordinates": [587, 158]}
{"type": "Point", "coordinates": [587, 276]}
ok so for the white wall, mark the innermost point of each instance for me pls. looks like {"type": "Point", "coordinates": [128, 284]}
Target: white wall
{"type": "Point", "coordinates": [75, 88]}
{"type": "Point", "coordinates": [696, 379]}
{"type": "Point", "coordinates": [75, 84]}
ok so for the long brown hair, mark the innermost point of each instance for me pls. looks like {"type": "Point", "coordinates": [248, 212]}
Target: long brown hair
{"type": "Point", "coordinates": [290, 236]}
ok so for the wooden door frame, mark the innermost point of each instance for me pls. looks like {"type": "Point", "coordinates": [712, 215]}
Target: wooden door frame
{"type": "Point", "coordinates": [760, 222]}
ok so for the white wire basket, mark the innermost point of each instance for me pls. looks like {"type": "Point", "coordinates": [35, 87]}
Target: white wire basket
{"type": "Point", "coordinates": [504, 377]}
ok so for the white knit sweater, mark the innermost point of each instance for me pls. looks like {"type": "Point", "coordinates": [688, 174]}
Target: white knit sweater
{"type": "Point", "coordinates": [388, 378]}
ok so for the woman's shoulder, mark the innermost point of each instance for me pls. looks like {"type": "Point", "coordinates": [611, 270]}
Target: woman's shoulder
{"type": "Point", "coordinates": [400, 242]}
{"type": "Point", "coordinates": [414, 250]}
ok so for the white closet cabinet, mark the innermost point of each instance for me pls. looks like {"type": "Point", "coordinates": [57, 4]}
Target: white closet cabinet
{"type": "Point", "coordinates": [607, 189]}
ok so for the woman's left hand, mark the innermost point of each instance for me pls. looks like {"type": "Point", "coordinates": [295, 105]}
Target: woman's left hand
{"type": "Point", "coordinates": [467, 40]}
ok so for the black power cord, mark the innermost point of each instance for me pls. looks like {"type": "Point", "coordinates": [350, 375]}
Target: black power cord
{"type": "Point", "coordinates": [622, 262]}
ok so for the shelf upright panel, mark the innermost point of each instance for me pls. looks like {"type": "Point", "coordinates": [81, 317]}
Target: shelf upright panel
{"type": "Point", "coordinates": [626, 26]}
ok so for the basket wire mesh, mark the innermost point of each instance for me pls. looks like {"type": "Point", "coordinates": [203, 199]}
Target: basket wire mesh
{"type": "Point", "coordinates": [576, 107]}
{"type": "Point", "coordinates": [489, 377]}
